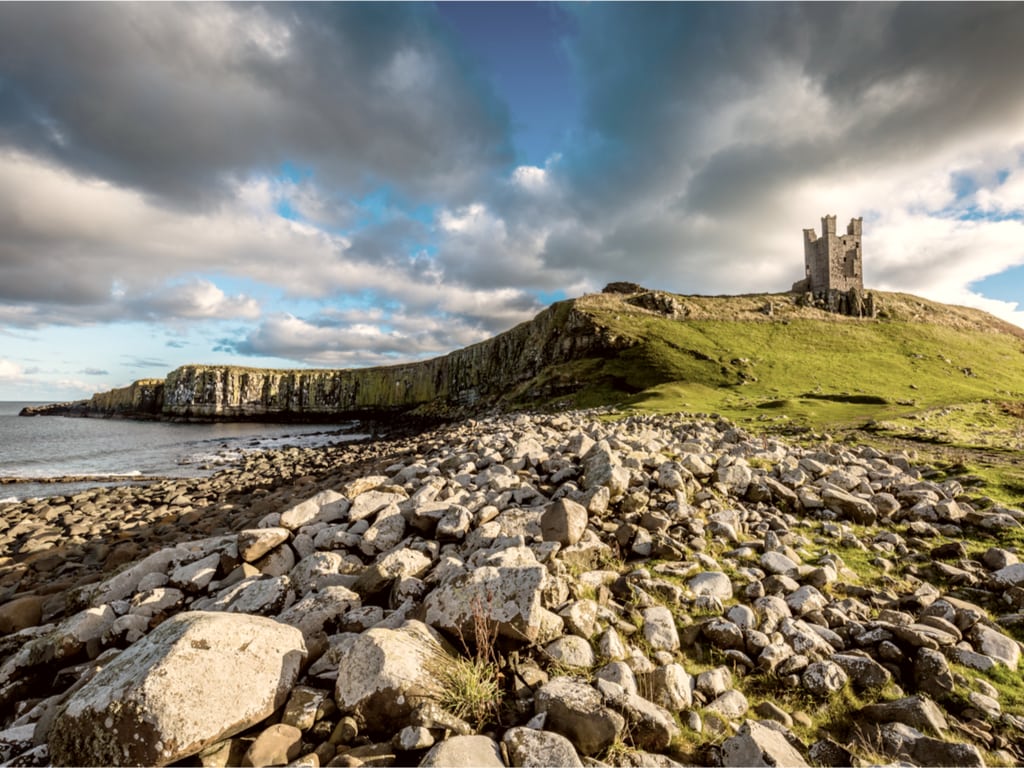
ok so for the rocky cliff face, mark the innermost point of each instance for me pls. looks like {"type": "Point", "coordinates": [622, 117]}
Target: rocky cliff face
{"type": "Point", "coordinates": [139, 400]}
{"type": "Point", "coordinates": [466, 381]}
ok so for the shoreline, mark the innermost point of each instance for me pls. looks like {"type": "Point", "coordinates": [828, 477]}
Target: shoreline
{"type": "Point", "coordinates": [42, 535]}
{"type": "Point", "coordinates": [57, 479]}
{"type": "Point", "coordinates": [178, 455]}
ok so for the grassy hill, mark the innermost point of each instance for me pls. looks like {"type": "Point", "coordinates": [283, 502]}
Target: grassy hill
{"type": "Point", "coordinates": [947, 380]}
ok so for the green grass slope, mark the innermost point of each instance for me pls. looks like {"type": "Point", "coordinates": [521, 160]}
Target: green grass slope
{"type": "Point", "coordinates": [947, 378]}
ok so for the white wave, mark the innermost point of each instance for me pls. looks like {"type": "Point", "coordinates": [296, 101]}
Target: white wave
{"type": "Point", "coordinates": [10, 500]}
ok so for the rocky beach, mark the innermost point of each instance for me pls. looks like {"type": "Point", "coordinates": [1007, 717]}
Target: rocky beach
{"type": "Point", "coordinates": [522, 590]}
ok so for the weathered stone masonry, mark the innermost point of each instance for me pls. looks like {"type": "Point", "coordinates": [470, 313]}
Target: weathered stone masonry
{"type": "Point", "coordinates": [834, 276]}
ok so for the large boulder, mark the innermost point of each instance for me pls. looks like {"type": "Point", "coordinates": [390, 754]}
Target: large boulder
{"type": "Point", "coordinates": [196, 679]}
{"type": "Point", "coordinates": [506, 592]}
{"type": "Point", "coordinates": [386, 674]}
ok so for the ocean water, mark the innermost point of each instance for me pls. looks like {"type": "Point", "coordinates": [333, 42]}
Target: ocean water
{"type": "Point", "coordinates": [54, 446]}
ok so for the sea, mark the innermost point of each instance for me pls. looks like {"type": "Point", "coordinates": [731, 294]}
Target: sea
{"type": "Point", "coordinates": [118, 452]}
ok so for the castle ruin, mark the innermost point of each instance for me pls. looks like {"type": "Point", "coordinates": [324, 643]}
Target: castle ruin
{"type": "Point", "coordinates": [834, 278]}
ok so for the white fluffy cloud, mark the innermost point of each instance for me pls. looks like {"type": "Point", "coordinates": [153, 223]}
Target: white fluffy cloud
{"type": "Point", "coordinates": [9, 370]}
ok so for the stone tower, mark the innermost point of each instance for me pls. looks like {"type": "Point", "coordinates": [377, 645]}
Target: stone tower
{"type": "Point", "coordinates": [834, 272]}
{"type": "Point", "coordinates": [833, 262]}
{"type": "Point", "coordinates": [834, 275]}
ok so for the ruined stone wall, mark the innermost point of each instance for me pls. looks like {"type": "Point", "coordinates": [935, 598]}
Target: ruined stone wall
{"type": "Point", "coordinates": [833, 262]}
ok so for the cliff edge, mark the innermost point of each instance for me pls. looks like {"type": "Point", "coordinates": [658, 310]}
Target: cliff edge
{"type": "Point", "coordinates": [499, 371]}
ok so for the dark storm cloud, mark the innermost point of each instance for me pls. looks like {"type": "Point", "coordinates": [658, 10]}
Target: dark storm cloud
{"type": "Point", "coordinates": [898, 79]}
{"type": "Point", "coordinates": [708, 126]}
{"type": "Point", "coordinates": [175, 99]}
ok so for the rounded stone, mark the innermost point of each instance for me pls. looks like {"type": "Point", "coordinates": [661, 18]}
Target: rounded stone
{"type": "Point", "coordinates": [711, 583]}
{"type": "Point", "coordinates": [571, 651]}
{"type": "Point", "coordinates": [277, 745]}
{"type": "Point", "coordinates": [660, 629]}
{"type": "Point", "coordinates": [823, 678]}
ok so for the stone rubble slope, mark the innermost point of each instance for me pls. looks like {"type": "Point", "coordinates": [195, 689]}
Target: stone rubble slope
{"type": "Point", "coordinates": [651, 591]}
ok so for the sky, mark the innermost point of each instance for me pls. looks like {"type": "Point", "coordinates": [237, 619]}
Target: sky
{"type": "Point", "coordinates": [353, 184]}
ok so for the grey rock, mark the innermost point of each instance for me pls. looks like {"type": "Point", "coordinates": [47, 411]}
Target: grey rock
{"type": "Point", "coordinates": [369, 502]}
{"type": "Point", "coordinates": [15, 741]}
{"type": "Point", "coordinates": [318, 570]}
{"type": "Point", "coordinates": [563, 521]}
{"type": "Point", "coordinates": [325, 507]}
{"type": "Point", "coordinates": [759, 745]}
{"type": "Point", "coordinates": [724, 634]}
{"type": "Point", "coordinates": [712, 583]}
{"type": "Point", "coordinates": [194, 577]}
{"type": "Point", "coordinates": [736, 477]}
{"type": "Point", "coordinates": [997, 558]}
{"type": "Point", "coordinates": [464, 752]}
{"type": "Point", "coordinates": [244, 665]}
{"type": "Point", "coordinates": [277, 744]}
{"type": "Point", "coordinates": [277, 562]}
{"type": "Point", "coordinates": [575, 710]}
{"type": "Point", "coordinates": [412, 738]}
{"type": "Point", "coordinates": [254, 543]}
{"type": "Point", "coordinates": [386, 673]}
{"type": "Point", "coordinates": [771, 711]}
{"type": "Point", "coordinates": [528, 748]}
{"type": "Point", "coordinates": [865, 673]}
{"type": "Point", "coordinates": [730, 705]}
{"type": "Point", "coordinates": [971, 659]}
{"type": "Point", "coordinates": [400, 564]}
{"type": "Point", "coordinates": [713, 682]}
{"type": "Point", "coordinates": [918, 712]}
{"type": "Point", "coordinates": [742, 616]}
{"type": "Point", "coordinates": [454, 524]}
{"type": "Point", "coordinates": [672, 687]}
{"type": "Point", "coordinates": [932, 674]}
{"type": "Point", "coordinates": [994, 643]}
{"type": "Point", "coordinates": [805, 599]}
{"type": "Point", "coordinates": [580, 618]}
{"type": "Point", "coordinates": [618, 672]}
{"type": "Point", "coordinates": [823, 678]}
{"type": "Point", "coordinates": [602, 468]}
{"type": "Point", "coordinates": [660, 629]}
{"type": "Point", "coordinates": [849, 506]}
{"type": "Point", "coordinates": [265, 596]}
{"type": "Point", "coordinates": [300, 710]}
{"type": "Point", "coordinates": [571, 651]}
{"type": "Point", "coordinates": [830, 753]}
{"type": "Point", "coordinates": [321, 611]}
{"type": "Point", "coordinates": [776, 562]}
{"type": "Point", "coordinates": [386, 531]}
{"type": "Point", "coordinates": [508, 594]}
{"type": "Point", "coordinates": [650, 726]}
